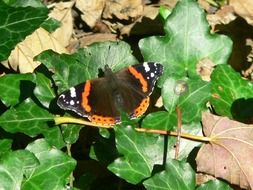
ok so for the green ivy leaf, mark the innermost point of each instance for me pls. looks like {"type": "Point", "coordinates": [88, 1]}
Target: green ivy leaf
{"type": "Point", "coordinates": [13, 166]}
{"type": "Point", "coordinates": [177, 175]}
{"type": "Point", "coordinates": [5, 146]}
{"type": "Point", "coordinates": [54, 137]}
{"type": "Point", "coordinates": [70, 133]}
{"type": "Point", "coordinates": [70, 70]}
{"type": "Point", "coordinates": [51, 24]}
{"type": "Point", "coordinates": [160, 120]}
{"type": "Point", "coordinates": [228, 87]}
{"type": "Point", "coordinates": [214, 184]}
{"type": "Point", "coordinates": [164, 12]}
{"type": "Point", "coordinates": [16, 24]}
{"type": "Point", "coordinates": [27, 118]}
{"type": "Point", "coordinates": [15, 88]}
{"type": "Point", "coordinates": [25, 3]}
{"type": "Point", "coordinates": [53, 171]}
{"type": "Point", "coordinates": [104, 150]}
{"type": "Point", "coordinates": [44, 90]}
{"type": "Point", "coordinates": [187, 40]}
{"type": "Point", "coordinates": [140, 153]}
{"type": "Point", "coordinates": [186, 146]}
{"type": "Point", "coordinates": [190, 95]}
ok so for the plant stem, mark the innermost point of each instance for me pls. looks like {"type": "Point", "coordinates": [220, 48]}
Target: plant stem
{"type": "Point", "coordinates": [71, 177]}
{"type": "Point", "coordinates": [62, 120]}
{"type": "Point", "coordinates": [171, 133]}
{"type": "Point", "coordinates": [179, 129]}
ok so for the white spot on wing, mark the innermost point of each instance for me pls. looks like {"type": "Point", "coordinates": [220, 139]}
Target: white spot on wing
{"type": "Point", "coordinates": [72, 92]}
{"type": "Point", "coordinates": [146, 67]}
{"type": "Point", "coordinates": [72, 102]}
{"type": "Point", "coordinates": [152, 75]}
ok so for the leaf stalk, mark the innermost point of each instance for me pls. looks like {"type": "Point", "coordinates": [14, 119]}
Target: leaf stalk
{"type": "Point", "coordinates": [62, 120]}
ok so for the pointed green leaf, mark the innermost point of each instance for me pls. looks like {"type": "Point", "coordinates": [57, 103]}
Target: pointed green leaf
{"type": "Point", "coordinates": [53, 171]}
{"type": "Point", "coordinates": [177, 175]}
{"type": "Point", "coordinates": [214, 184]}
{"type": "Point", "coordinates": [228, 87]}
{"type": "Point", "coordinates": [54, 137]}
{"type": "Point", "coordinates": [5, 146]}
{"type": "Point", "coordinates": [104, 150]}
{"type": "Point", "coordinates": [51, 24]}
{"type": "Point", "coordinates": [160, 120]}
{"type": "Point", "coordinates": [44, 90]}
{"type": "Point", "coordinates": [189, 95]}
{"type": "Point", "coordinates": [187, 40]}
{"type": "Point", "coordinates": [24, 3]}
{"type": "Point", "coordinates": [26, 118]}
{"type": "Point", "coordinates": [16, 24]}
{"type": "Point", "coordinates": [186, 145]}
{"type": "Point", "coordinates": [70, 133]}
{"type": "Point", "coordinates": [15, 87]}
{"type": "Point", "coordinates": [70, 70]}
{"type": "Point", "coordinates": [12, 166]}
{"type": "Point", "coordinates": [140, 153]}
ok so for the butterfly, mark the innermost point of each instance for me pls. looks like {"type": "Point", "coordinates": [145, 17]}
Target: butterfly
{"type": "Point", "coordinates": [102, 100]}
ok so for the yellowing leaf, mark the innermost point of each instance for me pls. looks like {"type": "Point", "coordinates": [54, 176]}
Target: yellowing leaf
{"type": "Point", "coordinates": [123, 9]}
{"type": "Point", "coordinates": [91, 10]}
{"type": "Point", "coordinates": [244, 8]}
{"type": "Point", "coordinates": [21, 58]}
{"type": "Point", "coordinates": [229, 155]}
{"type": "Point", "coordinates": [63, 13]}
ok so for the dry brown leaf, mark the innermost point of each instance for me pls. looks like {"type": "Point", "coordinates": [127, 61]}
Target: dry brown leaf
{"type": "Point", "coordinates": [205, 68]}
{"type": "Point", "coordinates": [229, 155]}
{"type": "Point", "coordinates": [149, 13]}
{"type": "Point", "coordinates": [91, 10]}
{"type": "Point", "coordinates": [203, 178]}
{"type": "Point", "coordinates": [168, 3]}
{"type": "Point", "coordinates": [244, 8]}
{"type": "Point", "coordinates": [159, 102]}
{"type": "Point", "coordinates": [223, 16]}
{"type": "Point", "coordinates": [89, 39]}
{"type": "Point", "coordinates": [62, 13]}
{"type": "Point", "coordinates": [123, 9]}
{"type": "Point", "coordinates": [21, 58]}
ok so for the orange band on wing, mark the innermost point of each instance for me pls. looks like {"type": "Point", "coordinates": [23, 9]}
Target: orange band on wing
{"type": "Point", "coordinates": [85, 94]}
{"type": "Point", "coordinates": [142, 108]}
{"type": "Point", "coordinates": [102, 120]}
{"type": "Point", "coordinates": [139, 76]}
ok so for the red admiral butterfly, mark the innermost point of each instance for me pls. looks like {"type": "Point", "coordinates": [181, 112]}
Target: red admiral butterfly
{"type": "Point", "coordinates": [102, 99]}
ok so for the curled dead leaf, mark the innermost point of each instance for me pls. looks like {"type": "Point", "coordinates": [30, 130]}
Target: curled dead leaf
{"type": "Point", "coordinates": [123, 9]}
{"type": "Point", "coordinates": [229, 154]}
{"type": "Point", "coordinates": [62, 12]}
{"type": "Point", "coordinates": [91, 10]}
{"type": "Point", "coordinates": [21, 58]}
{"type": "Point", "coordinates": [244, 8]}
{"type": "Point", "coordinates": [223, 16]}
{"type": "Point", "coordinates": [159, 102]}
{"type": "Point", "coordinates": [89, 39]}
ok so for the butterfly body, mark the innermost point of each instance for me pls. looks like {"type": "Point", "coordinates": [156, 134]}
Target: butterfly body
{"type": "Point", "coordinates": [103, 99]}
